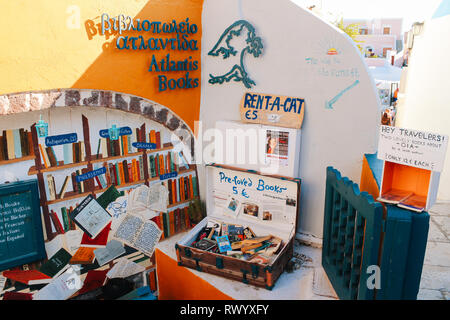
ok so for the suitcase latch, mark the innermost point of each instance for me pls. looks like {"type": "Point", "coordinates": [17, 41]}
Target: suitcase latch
{"type": "Point", "coordinates": [255, 271]}
{"type": "Point", "coordinates": [197, 264]}
{"type": "Point", "coordinates": [219, 263]}
{"type": "Point", "coordinates": [244, 276]}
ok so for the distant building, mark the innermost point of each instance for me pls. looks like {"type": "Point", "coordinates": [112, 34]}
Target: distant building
{"type": "Point", "coordinates": [379, 36]}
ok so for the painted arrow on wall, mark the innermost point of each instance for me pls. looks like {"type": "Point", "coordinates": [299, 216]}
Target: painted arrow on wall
{"type": "Point", "coordinates": [329, 104]}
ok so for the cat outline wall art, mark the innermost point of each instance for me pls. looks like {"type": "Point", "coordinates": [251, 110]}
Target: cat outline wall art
{"type": "Point", "coordinates": [253, 46]}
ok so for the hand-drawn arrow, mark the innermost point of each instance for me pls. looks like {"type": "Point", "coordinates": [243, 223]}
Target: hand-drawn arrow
{"type": "Point", "coordinates": [329, 104]}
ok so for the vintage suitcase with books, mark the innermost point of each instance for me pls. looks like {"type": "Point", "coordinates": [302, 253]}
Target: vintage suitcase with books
{"type": "Point", "coordinates": [248, 233]}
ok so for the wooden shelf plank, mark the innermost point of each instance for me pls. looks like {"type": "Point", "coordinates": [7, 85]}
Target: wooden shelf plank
{"type": "Point", "coordinates": [166, 147]}
{"type": "Point", "coordinates": [60, 166]}
{"type": "Point", "coordinates": [180, 172]}
{"type": "Point", "coordinates": [69, 196]}
{"type": "Point", "coordinates": [26, 158]}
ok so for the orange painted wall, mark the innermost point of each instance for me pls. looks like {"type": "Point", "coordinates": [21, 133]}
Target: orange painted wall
{"type": "Point", "coordinates": [44, 48]}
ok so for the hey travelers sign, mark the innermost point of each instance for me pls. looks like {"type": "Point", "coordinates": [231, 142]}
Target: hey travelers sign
{"type": "Point", "coordinates": [412, 147]}
{"type": "Point", "coordinates": [281, 111]}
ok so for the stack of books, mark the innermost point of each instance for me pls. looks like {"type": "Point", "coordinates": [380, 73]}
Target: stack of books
{"type": "Point", "coordinates": [121, 172]}
{"type": "Point", "coordinates": [173, 222]}
{"type": "Point", "coordinates": [73, 153]}
{"type": "Point", "coordinates": [181, 189]}
{"type": "Point", "coordinates": [160, 164]}
{"type": "Point", "coordinates": [67, 223]}
{"type": "Point", "coordinates": [15, 144]}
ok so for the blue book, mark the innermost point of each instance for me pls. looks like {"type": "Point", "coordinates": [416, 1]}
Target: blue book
{"type": "Point", "coordinates": [68, 154]}
{"type": "Point", "coordinates": [118, 174]}
{"type": "Point", "coordinates": [17, 144]}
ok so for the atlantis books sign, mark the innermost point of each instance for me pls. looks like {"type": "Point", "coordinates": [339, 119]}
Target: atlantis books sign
{"type": "Point", "coordinates": [412, 148]}
{"type": "Point", "coordinates": [281, 111]}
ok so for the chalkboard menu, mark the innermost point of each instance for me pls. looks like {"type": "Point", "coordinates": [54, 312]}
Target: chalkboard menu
{"type": "Point", "coordinates": [21, 236]}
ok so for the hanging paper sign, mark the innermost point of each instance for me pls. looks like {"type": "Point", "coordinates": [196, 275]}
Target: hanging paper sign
{"type": "Point", "coordinates": [168, 175]}
{"type": "Point", "coordinates": [412, 147]}
{"type": "Point", "coordinates": [123, 131]}
{"type": "Point", "coordinates": [144, 145]}
{"type": "Point", "coordinates": [91, 174]}
{"type": "Point", "coordinates": [281, 111]}
{"type": "Point", "coordinates": [51, 141]}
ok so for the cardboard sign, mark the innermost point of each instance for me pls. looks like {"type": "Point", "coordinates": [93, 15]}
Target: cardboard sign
{"type": "Point", "coordinates": [412, 148]}
{"type": "Point", "coordinates": [282, 111]}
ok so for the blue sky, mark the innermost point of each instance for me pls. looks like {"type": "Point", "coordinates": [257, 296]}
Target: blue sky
{"type": "Point", "coordinates": [410, 10]}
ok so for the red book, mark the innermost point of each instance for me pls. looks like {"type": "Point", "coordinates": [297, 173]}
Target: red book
{"type": "Point", "coordinates": [157, 220]}
{"type": "Point", "coordinates": [17, 296]}
{"type": "Point", "coordinates": [99, 241]}
{"type": "Point", "coordinates": [58, 226]}
{"type": "Point", "coordinates": [98, 182]}
{"type": "Point", "coordinates": [29, 277]}
{"type": "Point", "coordinates": [158, 140]}
{"type": "Point", "coordinates": [130, 173]}
{"type": "Point", "coordinates": [94, 279]}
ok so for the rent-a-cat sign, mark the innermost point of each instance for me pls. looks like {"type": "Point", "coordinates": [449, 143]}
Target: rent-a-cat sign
{"type": "Point", "coordinates": [281, 111]}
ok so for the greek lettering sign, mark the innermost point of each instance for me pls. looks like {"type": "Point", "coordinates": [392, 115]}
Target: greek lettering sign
{"type": "Point", "coordinates": [21, 237]}
{"type": "Point", "coordinates": [91, 174]}
{"type": "Point", "coordinates": [137, 34]}
{"type": "Point", "coordinates": [168, 175]}
{"type": "Point", "coordinates": [61, 139]}
{"type": "Point", "coordinates": [123, 131]}
{"type": "Point", "coordinates": [144, 145]}
{"type": "Point", "coordinates": [413, 148]}
{"type": "Point", "coordinates": [282, 111]}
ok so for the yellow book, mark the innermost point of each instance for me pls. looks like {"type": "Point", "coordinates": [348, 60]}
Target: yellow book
{"type": "Point", "coordinates": [10, 143]}
{"type": "Point", "coordinates": [152, 136]}
{"type": "Point", "coordinates": [122, 175]}
{"type": "Point", "coordinates": [44, 156]}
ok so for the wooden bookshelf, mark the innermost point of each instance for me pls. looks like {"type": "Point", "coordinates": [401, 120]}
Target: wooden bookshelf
{"type": "Point", "coordinates": [26, 158]}
{"type": "Point", "coordinates": [95, 160]}
{"type": "Point", "coordinates": [60, 166]}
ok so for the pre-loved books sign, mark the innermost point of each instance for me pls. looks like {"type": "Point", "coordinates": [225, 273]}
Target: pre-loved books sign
{"type": "Point", "coordinates": [413, 148]}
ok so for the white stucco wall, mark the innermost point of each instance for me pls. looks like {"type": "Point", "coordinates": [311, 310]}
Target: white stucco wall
{"type": "Point", "coordinates": [425, 102]}
{"type": "Point", "coordinates": [291, 35]}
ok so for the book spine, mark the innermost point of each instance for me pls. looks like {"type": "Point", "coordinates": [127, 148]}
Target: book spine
{"type": "Point", "coordinates": [118, 175]}
{"type": "Point", "coordinates": [65, 219]}
{"type": "Point", "coordinates": [30, 144]}
{"type": "Point", "coordinates": [44, 156]}
{"type": "Point", "coordinates": [51, 187]}
{"type": "Point", "coordinates": [2, 153]}
{"type": "Point", "coordinates": [57, 224]}
{"type": "Point", "coordinates": [99, 145]}
{"type": "Point", "coordinates": [82, 151]}
{"type": "Point", "coordinates": [174, 190]}
{"type": "Point", "coordinates": [161, 224]}
{"type": "Point", "coordinates": [169, 187]}
{"type": "Point", "coordinates": [23, 143]}
{"type": "Point", "coordinates": [186, 216]}
{"type": "Point", "coordinates": [158, 140]}
{"type": "Point", "coordinates": [125, 171]}
{"type": "Point", "coordinates": [74, 182]}
{"type": "Point", "coordinates": [156, 160]}
{"type": "Point", "coordinates": [125, 145]}
{"type": "Point", "coordinates": [172, 222]}
{"type": "Point", "coordinates": [112, 174]}
{"type": "Point", "coordinates": [5, 145]}
{"type": "Point", "coordinates": [141, 168]}
{"type": "Point", "coordinates": [195, 185]}
{"type": "Point", "coordinates": [130, 150]}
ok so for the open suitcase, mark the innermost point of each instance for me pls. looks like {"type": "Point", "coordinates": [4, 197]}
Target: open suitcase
{"type": "Point", "coordinates": [237, 199]}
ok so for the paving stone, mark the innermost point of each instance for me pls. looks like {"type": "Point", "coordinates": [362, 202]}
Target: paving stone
{"type": "Point", "coordinates": [434, 233]}
{"type": "Point", "coordinates": [322, 285]}
{"type": "Point", "coordinates": [443, 224]}
{"type": "Point", "coordinates": [435, 277]}
{"type": "Point", "coordinates": [440, 209]}
{"type": "Point", "coordinates": [438, 254]}
{"type": "Point", "coordinates": [427, 294]}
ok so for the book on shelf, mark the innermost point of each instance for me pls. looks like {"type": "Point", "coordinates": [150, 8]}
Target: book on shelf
{"type": "Point", "coordinates": [63, 190]}
{"type": "Point", "coordinates": [17, 144]}
{"type": "Point", "coordinates": [65, 218]}
{"type": "Point", "coordinates": [158, 140]}
{"type": "Point", "coordinates": [44, 156]}
{"type": "Point", "coordinates": [51, 187]}
{"type": "Point", "coordinates": [51, 156]}
{"type": "Point", "coordinates": [10, 144]}
{"type": "Point", "coordinates": [56, 222]}
{"type": "Point", "coordinates": [68, 153]}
